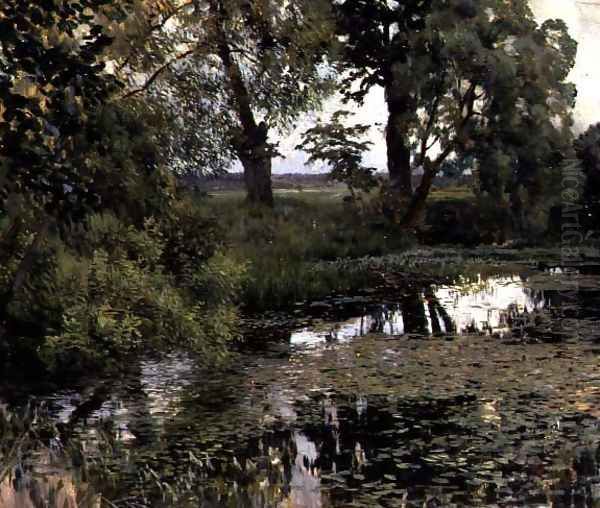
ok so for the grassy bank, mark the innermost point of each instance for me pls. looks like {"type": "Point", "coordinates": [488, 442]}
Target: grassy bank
{"type": "Point", "coordinates": [314, 243]}
{"type": "Point", "coordinates": [302, 248]}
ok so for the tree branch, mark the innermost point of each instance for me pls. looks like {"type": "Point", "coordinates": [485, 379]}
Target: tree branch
{"type": "Point", "coordinates": [236, 49]}
{"type": "Point", "coordinates": [468, 101]}
{"type": "Point", "coordinates": [176, 11]}
{"type": "Point", "coordinates": [430, 123]}
{"type": "Point", "coordinates": [152, 28]}
{"type": "Point", "coordinates": [155, 75]}
{"type": "Point", "coordinates": [432, 144]}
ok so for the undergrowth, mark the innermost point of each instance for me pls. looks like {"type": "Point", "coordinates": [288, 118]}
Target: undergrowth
{"type": "Point", "coordinates": [300, 249]}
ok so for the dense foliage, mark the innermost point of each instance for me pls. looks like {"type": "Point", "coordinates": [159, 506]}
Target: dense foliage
{"type": "Point", "coordinates": [50, 84]}
{"type": "Point", "coordinates": [465, 377]}
{"type": "Point", "coordinates": [587, 148]}
{"type": "Point", "coordinates": [104, 103]}
{"type": "Point", "coordinates": [464, 78]}
{"type": "Point", "coordinates": [101, 256]}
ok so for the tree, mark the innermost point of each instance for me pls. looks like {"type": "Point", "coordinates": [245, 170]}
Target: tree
{"type": "Point", "coordinates": [99, 257]}
{"type": "Point", "coordinates": [456, 167]}
{"type": "Point", "coordinates": [233, 71]}
{"type": "Point", "coordinates": [464, 78]}
{"type": "Point", "coordinates": [341, 148]}
{"type": "Point", "coordinates": [587, 150]}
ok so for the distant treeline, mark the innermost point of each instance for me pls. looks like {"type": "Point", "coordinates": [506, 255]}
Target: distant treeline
{"type": "Point", "coordinates": [235, 181]}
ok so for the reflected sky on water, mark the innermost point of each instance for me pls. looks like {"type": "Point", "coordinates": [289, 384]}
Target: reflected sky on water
{"type": "Point", "coordinates": [488, 306]}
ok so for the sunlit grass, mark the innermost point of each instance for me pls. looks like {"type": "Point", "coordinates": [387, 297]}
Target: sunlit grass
{"type": "Point", "coordinates": [453, 194]}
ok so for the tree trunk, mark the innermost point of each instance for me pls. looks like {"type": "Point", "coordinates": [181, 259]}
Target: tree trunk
{"type": "Point", "coordinates": [398, 150]}
{"type": "Point", "coordinates": [416, 208]}
{"type": "Point", "coordinates": [257, 176]}
{"type": "Point", "coordinates": [250, 142]}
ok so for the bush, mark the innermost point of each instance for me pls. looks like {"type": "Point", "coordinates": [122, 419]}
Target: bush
{"type": "Point", "coordinates": [122, 293]}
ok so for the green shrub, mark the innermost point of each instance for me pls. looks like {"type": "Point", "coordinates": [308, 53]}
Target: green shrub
{"type": "Point", "coordinates": [122, 292]}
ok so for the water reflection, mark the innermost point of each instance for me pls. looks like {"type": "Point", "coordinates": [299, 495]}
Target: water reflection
{"type": "Point", "coordinates": [305, 483]}
{"type": "Point", "coordinates": [494, 305]}
{"type": "Point", "coordinates": [378, 421]}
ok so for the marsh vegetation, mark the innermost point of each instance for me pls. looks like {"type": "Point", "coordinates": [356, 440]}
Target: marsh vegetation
{"type": "Point", "coordinates": [425, 335]}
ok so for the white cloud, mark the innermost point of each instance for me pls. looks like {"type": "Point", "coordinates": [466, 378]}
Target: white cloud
{"type": "Point", "coordinates": [583, 18]}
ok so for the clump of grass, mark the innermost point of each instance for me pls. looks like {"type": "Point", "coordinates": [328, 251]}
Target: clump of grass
{"type": "Point", "coordinates": [42, 461]}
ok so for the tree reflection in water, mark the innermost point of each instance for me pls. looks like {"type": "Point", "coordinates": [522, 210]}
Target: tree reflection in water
{"type": "Point", "coordinates": [497, 305]}
{"type": "Point", "coordinates": [384, 420]}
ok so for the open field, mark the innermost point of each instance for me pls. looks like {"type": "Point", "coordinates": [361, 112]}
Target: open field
{"type": "Point", "coordinates": [331, 192]}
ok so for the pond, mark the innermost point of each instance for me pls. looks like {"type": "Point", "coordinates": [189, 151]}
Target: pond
{"type": "Point", "coordinates": [484, 391]}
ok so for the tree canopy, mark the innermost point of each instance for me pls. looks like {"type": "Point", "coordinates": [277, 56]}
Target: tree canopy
{"type": "Point", "coordinates": [51, 83]}
{"type": "Point", "coordinates": [461, 77]}
{"type": "Point", "coordinates": [225, 72]}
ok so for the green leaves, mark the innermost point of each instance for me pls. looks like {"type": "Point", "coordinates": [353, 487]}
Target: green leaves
{"type": "Point", "coordinates": [341, 148]}
{"type": "Point", "coordinates": [98, 259]}
{"type": "Point", "coordinates": [465, 78]}
{"type": "Point", "coordinates": [51, 87]}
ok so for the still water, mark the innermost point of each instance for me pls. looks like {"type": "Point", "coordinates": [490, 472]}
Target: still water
{"type": "Point", "coordinates": [482, 392]}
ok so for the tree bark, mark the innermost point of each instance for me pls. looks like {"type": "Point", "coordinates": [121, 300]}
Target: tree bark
{"type": "Point", "coordinates": [257, 176]}
{"type": "Point", "coordinates": [251, 142]}
{"type": "Point", "coordinates": [416, 208]}
{"type": "Point", "coordinates": [398, 150]}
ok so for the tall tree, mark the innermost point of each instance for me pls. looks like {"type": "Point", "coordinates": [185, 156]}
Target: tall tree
{"type": "Point", "coordinates": [587, 149]}
{"type": "Point", "coordinates": [457, 74]}
{"type": "Point", "coordinates": [233, 71]}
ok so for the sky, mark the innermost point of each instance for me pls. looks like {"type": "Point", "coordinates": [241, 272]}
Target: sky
{"type": "Point", "coordinates": [583, 19]}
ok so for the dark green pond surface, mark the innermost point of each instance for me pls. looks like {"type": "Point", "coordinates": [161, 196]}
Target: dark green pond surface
{"type": "Point", "coordinates": [484, 392]}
